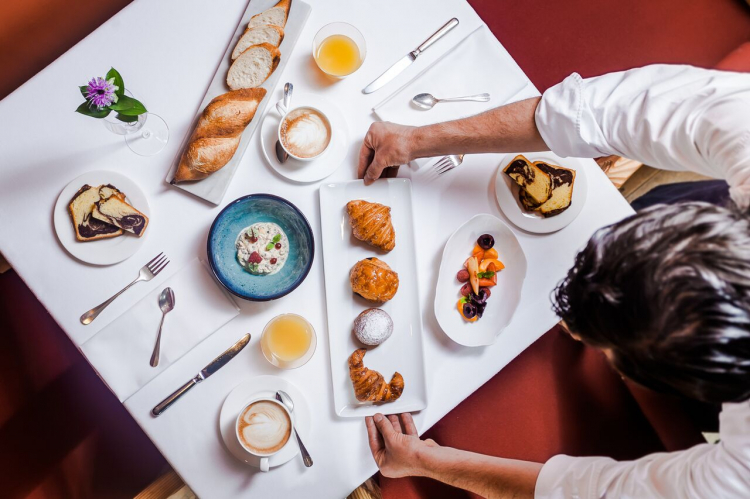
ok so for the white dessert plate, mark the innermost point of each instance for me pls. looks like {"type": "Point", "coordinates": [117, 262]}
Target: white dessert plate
{"type": "Point", "coordinates": [318, 168]}
{"type": "Point", "coordinates": [264, 387]}
{"type": "Point", "coordinates": [506, 192]}
{"type": "Point", "coordinates": [401, 352]}
{"type": "Point", "coordinates": [102, 251]}
{"type": "Point", "coordinates": [506, 295]}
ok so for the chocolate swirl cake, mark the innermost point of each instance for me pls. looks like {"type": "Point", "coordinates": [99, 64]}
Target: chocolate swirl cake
{"type": "Point", "coordinates": [88, 228]}
{"type": "Point", "coordinates": [117, 212]}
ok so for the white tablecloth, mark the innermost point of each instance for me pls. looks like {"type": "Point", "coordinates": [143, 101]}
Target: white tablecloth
{"type": "Point", "coordinates": [167, 52]}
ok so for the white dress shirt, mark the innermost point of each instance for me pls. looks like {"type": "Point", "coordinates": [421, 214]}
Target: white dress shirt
{"type": "Point", "coordinates": [675, 118]}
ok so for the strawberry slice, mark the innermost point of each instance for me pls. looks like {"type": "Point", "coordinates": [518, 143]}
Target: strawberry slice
{"type": "Point", "coordinates": [255, 257]}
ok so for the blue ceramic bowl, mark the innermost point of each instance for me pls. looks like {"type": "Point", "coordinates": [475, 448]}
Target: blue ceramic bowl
{"type": "Point", "coordinates": [243, 212]}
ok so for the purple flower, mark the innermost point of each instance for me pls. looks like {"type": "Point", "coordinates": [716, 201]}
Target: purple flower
{"type": "Point", "coordinates": [101, 92]}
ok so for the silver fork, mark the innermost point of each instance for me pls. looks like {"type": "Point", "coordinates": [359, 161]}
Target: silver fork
{"type": "Point", "coordinates": [147, 272]}
{"type": "Point", "coordinates": [447, 163]}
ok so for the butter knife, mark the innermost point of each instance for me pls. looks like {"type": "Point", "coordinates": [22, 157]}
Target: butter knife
{"type": "Point", "coordinates": [405, 61]}
{"type": "Point", "coordinates": [207, 371]}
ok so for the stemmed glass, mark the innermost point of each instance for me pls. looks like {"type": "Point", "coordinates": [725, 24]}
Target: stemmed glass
{"type": "Point", "coordinates": [145, 135]}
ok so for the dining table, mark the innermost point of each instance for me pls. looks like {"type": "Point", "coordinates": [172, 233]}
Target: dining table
{"type": "Point", "coordinates": [168, 52]}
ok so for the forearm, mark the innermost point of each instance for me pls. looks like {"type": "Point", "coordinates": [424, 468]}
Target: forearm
{"type": "Point", "coordinates": [488, 476]}
{"type": "Point", "coordinates": [508, 128]}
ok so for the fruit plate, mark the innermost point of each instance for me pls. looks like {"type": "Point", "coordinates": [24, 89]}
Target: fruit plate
{"type": "Point", "coordinates": [502, 303]}
{"type": "Point", "coordinates": [401, 352]}
{"type": "Point", "coordinates": [506, 192]}
{"type": "Point", "coordinates": [213, 187]}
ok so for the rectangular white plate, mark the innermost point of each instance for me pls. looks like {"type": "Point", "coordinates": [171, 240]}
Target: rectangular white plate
{"type": "Point", "coordinates": [214, 187]}
{"type": "Point", "coordinates": [401, 352]}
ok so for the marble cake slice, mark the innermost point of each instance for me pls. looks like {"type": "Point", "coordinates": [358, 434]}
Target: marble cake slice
{"type": "Point", "coordinates": [562, 188]}
{"type": "Point", "coordinates": [532, 179]}
{"type": "Point", "coordinates": [87, 228]}
{"type": "Point", "coordinates": [118, 212]}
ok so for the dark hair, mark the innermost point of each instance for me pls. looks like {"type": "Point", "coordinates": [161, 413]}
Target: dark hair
{"type": "Point", "coordinates": [668, 292]}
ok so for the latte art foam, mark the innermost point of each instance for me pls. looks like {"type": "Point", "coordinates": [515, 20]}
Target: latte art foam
{"type": "Point", "coordinates": [264, 427]}
{"type": "Point", "coordinates": [305, 133]}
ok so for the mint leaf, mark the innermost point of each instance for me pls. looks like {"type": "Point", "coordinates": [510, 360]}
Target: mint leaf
{"type": "Point", "coordinates": [485, 275]}
{"type": "Point", "coordinates": [92, 111]}
{"type": "Point", "coordinates": [276, 238]}
{"type": "Point", "coordinates": [269, 246]}
{"type": "Point", "coordinates": [128, 106]}
{"type": "Point", "coordinates": [112, 73]}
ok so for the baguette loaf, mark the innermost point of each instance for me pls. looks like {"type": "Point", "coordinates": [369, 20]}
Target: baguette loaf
{"type": "Point", "coordinates": [253, 66]}
{"type": "Point", "coordinates": [217, 134]}
{"type": "Point", "coordinates": [276, 15]}
{"type": "Point", "coordinates": [260, 34]}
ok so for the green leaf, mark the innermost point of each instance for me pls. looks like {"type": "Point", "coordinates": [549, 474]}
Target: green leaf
{"type": "Point", "coordinates": [486, 275]}
{"type": "Point", "coordinates": [84, 91]}
{"type": "Point", "coordinates": [128, 106]}
{"type": "Point", "coordinates": [126, 119]}
{"type": "Point", "coordinates": [95, 112]}
{"type": "Point", "coordinates": [276, 238]}
{"type": "Point", "coordinates": [112, 73]}
{"type": "Point", "coordinates": [269, 246]}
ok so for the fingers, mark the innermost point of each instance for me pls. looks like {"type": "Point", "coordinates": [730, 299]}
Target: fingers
{"type": "Point", "coordinates": [393, 418]}
{"type": "Point", "coordinates": [374, 170]}
{"type": "Point", "coordinates": [385, 426]}
{"type": "Point", "coordinates": [366, 153]}
{"type": "Point", "coordinates": [409, 427]}
{"type": "Point", "coordinates": [373, 436]}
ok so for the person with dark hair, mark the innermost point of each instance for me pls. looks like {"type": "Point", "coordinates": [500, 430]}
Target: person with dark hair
{"type": "Point", "coordinates": [665, 293]}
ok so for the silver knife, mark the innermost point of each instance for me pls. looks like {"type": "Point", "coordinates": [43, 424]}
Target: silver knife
{"type": "Point", "coordinates": [207, 371]}
{"type": "Point", "coordinates": [405, 61]}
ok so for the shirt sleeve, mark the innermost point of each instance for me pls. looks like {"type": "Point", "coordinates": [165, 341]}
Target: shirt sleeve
{"type": "Point", "coordinates": [706, 470]}
{"type": "Point", "coordinates": [666, 116]}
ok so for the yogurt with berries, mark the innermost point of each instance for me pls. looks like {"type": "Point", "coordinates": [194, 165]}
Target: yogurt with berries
{"type": "Point", "coordinates": [262, 248]}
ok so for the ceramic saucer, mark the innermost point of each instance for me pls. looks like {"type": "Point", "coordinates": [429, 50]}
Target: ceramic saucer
{"type": "Point", "coordinates": [318, 168]}
{"type": "Point", "coordinates": [260, 387]}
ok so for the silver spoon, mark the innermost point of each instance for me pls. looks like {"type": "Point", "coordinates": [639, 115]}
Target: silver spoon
{"type": "Point", "coordinates": [285, 399]}
{"type": "Point", "coordinates": [281, 154]}
{"type": "Point", "coordinates": [166, 304]}
{"type": "Point", "coordinates": [428, 101]}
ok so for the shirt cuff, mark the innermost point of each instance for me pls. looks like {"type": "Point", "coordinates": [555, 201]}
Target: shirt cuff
{"type": "Point", "coordinates": [548, 483]}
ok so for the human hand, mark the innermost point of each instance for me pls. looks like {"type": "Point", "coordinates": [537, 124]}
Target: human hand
{"type": "Point", "coordinates": [396, 452]}
{"type": "Point", "coordinates": [385, 148]}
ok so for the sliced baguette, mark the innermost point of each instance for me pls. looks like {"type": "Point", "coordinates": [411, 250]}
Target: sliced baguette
{"type": "Point", "coordinates": [276, 15]}
{"type": "Point", "coordinates": [253, 66]}
{"type": "Point", "coordinates": [260, 34]}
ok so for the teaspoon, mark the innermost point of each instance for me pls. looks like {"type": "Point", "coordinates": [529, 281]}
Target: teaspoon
{"type": "Point", "coordinates": [285, 399]}
{"type": "Point", "coordinates": [428, 101]}
{"type": "Point", "coordinates": [166, 304]}
{"type": "Point", "coordinates": [281, 153]}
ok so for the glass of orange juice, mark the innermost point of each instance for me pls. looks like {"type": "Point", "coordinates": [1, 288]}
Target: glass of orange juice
{"type": "Point", "coordinates": [339, 49]}
{"type": "Point", "coordinates": [288, 341]}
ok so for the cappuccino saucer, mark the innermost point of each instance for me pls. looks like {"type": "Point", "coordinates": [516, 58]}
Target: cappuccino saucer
{"type": "Point", "coordinates": [320, 167]}
{"type": "Point", "coordinates": [260, 387]}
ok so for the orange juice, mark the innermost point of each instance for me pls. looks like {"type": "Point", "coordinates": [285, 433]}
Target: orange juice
{"type": "Point", "coordinates": [287, 338]}
{"type": "Point", "coordinates": [338, 55]}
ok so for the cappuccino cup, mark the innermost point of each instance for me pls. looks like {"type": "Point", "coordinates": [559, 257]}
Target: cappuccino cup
{"type": "Point", "coordinates": [263, 428]}
{"type": "Point", "coordinates": [304, 132]}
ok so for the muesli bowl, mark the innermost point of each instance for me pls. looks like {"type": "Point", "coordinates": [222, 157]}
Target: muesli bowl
{"type": "Point", "coordinates": [264, 210]}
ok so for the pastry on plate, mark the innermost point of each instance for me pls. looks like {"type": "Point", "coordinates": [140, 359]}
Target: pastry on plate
{"type": "Point", "coordinates": [118, 212]}
{"type": "Point", "coordinates": [217, 134]}
{"type": "Point", "coordinates": [267, 33]}
{"type": "Point", "coordinates": [562, 188]}
{"type": "Point", "coordinates": [371, 223]}
{"type": "Point", "coordinates": [87, 227]}
{"type": "Point", "coordinates": [373, 326]}
{"type": "Point", "coordinates": [253, 66]}
{"type": "Point", "coordinates": [533, 180]}
{"type": "Point", "coordinates": [373, 280]}
{"type": "Point", "coordinates": [276, 15]}
{"type": "Point", "coordinates": [369, 385]}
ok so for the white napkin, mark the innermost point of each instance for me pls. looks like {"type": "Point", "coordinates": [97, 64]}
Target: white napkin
{"type": "Point", "coordinates": [122, 350]}
{"type": "Point", "coordinates": [478, 64]}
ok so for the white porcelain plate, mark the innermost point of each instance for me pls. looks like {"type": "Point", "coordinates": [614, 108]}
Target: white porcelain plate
{"type": "Point", "coordinates": [403, 351]}
{"type": "Point", "coordinates": [102, 251]}
{"type": "Point", "coordinates": [507, 195]}
{"type": "Point", "coordinates": [318, 168]}
{"type": "Point", "coordinates": [502, 303]}
{"type": "Point", "coordinates": [264, 387]}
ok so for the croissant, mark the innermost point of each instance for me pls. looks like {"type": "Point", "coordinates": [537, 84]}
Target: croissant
{"type": "Point", "coordinates": [369, 385]}
{"type": "Point", "coordinates": [373, 280]}
{"type": "Point", "coordinates": [217, 134]}
{"type": "Point", "coordinates": [371, 223]}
